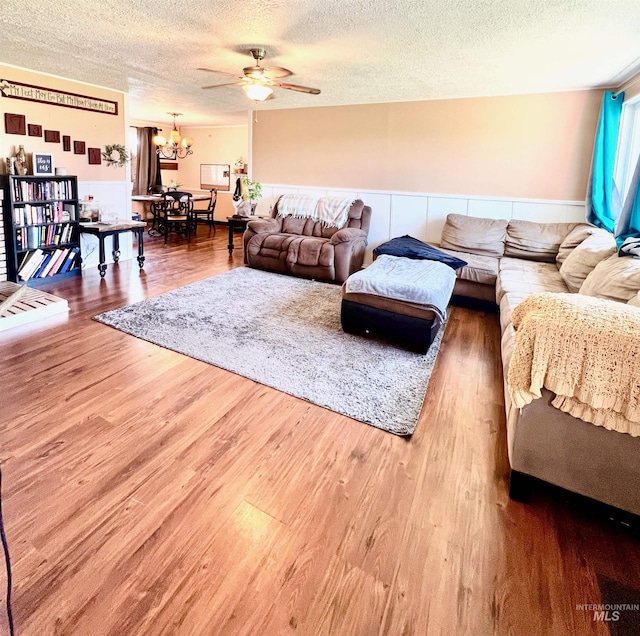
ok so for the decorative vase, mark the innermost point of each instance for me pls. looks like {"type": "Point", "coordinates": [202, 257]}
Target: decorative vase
{"type": "Point", "coordinates": [21, 161]}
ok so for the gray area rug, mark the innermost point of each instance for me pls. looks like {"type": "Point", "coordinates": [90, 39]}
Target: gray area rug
{"type": "Point", "coordinates": [285, 332]}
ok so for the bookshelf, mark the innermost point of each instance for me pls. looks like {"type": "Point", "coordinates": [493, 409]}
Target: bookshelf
{"type": "Point", "coordinates": [41, 216]}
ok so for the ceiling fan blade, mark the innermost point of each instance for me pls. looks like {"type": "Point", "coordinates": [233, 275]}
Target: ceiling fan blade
{"type": "Point", "coordinates": [210, 70]}
{"type": "Point", "coordinates": [298, 88]}
{"type": "Point", "coordinates": [277, 72]}
{"type": "Point", "coordinates": [220, 85]}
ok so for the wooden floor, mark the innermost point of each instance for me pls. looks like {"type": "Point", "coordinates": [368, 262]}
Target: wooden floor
{"type": "Point", "coordinates": [148, 493]}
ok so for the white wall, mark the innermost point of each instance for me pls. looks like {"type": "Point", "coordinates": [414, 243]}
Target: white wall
{"type": "Point", "coordinates": [114, 196]}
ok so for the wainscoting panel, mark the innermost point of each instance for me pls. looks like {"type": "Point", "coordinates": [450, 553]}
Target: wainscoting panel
{"type": "Point", "coordinates": [490, 209]}
{"type": "Point", "coordinates": [409, 216]}
{"type": "Point", "coordinates": [380, 231]}
{"type": "Point", "coordinates": [548, 212]}
{"type": "Point", "coordinates": [423, 214]}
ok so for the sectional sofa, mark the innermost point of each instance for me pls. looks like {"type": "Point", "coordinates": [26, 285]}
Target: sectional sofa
{"type": "Point", "coordinates": [508, 261]}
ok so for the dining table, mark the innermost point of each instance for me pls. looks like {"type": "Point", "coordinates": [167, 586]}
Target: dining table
{"type": "Point", "coordinates": [150, 198]}
{"type": "Point", "coordinates": [153, 198]}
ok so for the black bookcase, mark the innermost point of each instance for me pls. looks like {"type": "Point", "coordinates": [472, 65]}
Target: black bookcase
{"type": "Point", "coordinates": [41, 216]}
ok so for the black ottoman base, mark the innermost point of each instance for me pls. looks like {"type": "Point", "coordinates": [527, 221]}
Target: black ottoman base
{"type": "Point", "coordinates": [415, 334]}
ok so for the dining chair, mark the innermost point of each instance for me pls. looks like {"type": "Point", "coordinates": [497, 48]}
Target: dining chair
{"type": "Point", "coordinates": [174, 212]}
{"type": "Point", "coordinates": [205, 215]}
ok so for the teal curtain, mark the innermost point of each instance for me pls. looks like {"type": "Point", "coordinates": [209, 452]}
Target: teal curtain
{"type": "Point", "coordinates": [628, 224]}
{"type": "Point", "coordinates": [600, 203]}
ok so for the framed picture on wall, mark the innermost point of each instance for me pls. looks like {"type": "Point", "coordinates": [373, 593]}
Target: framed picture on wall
{"type": "Point", "coordinates": [42, 164]}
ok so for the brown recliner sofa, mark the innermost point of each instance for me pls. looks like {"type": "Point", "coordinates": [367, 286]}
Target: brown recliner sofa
{"type": "Point", "coordinates": [303, 247]}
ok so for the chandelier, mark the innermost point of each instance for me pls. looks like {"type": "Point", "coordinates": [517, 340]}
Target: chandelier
{"type": "Point", "coordinates": [175, 147]}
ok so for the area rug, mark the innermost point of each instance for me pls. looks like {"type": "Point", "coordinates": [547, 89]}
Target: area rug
{"type": "Point", "coordinates": [285, 332]}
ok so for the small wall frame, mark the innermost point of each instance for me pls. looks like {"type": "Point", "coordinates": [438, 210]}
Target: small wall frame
{"type": "Point", "coordinates": [52, 136]}
{"type": "Point", "coordinates": [95, 156]}
{"type": "Point", "coordinates": [42, 164]}
{"type": "Point", "coordinates": [15, 124]}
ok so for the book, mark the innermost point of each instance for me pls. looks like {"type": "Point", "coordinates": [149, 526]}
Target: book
{"type": "Point", "coordinates": [33, 237]}
{"type": "Point", "coordinates": [31, 261]}
{"type": "Point", "coordinates": [61, 254]}
{"type": "Point", "coordinates": [45, 261]}
{"type": "Point", "coordinates": [69, 262]}
{"type": "Point", "coordinates": [44, 272]}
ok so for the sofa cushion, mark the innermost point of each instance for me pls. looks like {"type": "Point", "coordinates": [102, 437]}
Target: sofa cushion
{"type": "Point", "coordinates": [615, 278]}
{"type": "Point", "coordinates": [508, 303]}
{"type": "Point", "coordinates": [310, 252]}
{"type": "Point", "coordinates": [507, 344]}
{"type": "Point", "coordinates": [572, 240]}
{"type": "Point", "coordinates": [472, 234]}
{"type": "Point", "coordinates": [535, 241]}
{"type": "Point", "coordinates": [635, 301]}
{"type": "Point", "coordinates": [479, 269]}
{"type": "Point", "coordinates": [583, 259]}
{"type": "Point", "coordinates": [529, 277]}
{"type": "Point", "coordinates": [306, 227]}
{"type": "Point", "coordinates": [409, 247]}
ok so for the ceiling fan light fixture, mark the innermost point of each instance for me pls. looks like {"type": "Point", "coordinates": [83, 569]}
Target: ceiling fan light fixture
{"type": "Point", "coordinates": [257, 91]}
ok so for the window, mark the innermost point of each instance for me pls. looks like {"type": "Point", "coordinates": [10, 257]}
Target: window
{"type": "Point", "coordinates": [628, 146]}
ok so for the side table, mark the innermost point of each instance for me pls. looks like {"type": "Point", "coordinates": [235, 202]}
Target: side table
{"type": "Point", "coordinates": [237, 222]}
{"type": "Point", "coordinates": [102, 230]}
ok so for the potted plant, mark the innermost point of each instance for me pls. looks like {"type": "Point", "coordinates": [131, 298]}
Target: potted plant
{"type": "Point", "coordinates": [252, 191]}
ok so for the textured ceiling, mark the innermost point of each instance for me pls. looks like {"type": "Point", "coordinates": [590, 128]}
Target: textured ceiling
{"type": "Point", "coordinates": [355, 51]}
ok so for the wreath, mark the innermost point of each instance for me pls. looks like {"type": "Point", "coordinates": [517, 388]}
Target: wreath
{"type": "Point", "coordinates": [122, 155]}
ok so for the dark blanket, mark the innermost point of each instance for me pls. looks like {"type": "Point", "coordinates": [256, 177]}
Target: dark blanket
{"type": "Point", "coordinates": [410, 247]}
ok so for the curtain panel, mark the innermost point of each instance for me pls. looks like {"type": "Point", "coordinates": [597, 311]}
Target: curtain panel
{"type": "Point", "coordinates": [599, 200]}
{"type": "Point", "coordinates": [147, 172]}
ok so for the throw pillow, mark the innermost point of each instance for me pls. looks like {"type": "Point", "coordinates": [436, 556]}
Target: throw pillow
{"type": "Point", "coordinates": [410, 247]}
{"type": "Point", "coordinates": [615, 278]}
{"type": "Point", "coordinates": [536, 241]}
{"type": "Point", "coordinates": [474, 234]}
{"type": "Point", "coordinates": [583, 259]}
{"type": "Point", "coordinates": [572, 240]}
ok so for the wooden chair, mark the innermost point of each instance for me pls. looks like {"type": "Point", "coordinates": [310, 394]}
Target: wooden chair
{"type": "Point", "coordinates": [174, 212]}
{"type": "Point", "coordinates": [205, 215]}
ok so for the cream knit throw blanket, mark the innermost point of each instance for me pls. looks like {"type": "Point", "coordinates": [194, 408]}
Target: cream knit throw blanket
{"type": "Point", "coordinates": [584, 349]}
{"type": "Point", "coordinates": [330, 211]}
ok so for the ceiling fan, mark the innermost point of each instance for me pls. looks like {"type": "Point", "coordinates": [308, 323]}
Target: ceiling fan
{"type": "Point", "coordinates": [258, 81]}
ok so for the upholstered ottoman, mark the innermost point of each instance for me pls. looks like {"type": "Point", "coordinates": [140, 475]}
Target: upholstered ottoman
{"type": "Point", "coordinates": [402, 299]}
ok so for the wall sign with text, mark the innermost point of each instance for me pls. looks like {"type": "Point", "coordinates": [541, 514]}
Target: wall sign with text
{"type": "Point", "coordinates": [30, 93]}
{"type": "Point", "coordinates": [42, 164]}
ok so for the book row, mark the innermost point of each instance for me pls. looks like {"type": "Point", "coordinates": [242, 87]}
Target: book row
{"type": "Point", "coordinates": [28, 214]}
{"type": "Point", "coordinates": [34, 236]}
{"type": "Point", "coordinates": [43, 263]}
{"type": "Point", "coordinates": [42, 190]}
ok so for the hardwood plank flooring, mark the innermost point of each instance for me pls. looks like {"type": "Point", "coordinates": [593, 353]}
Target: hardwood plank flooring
{"type": "Point", "coordinates": [146, 493]}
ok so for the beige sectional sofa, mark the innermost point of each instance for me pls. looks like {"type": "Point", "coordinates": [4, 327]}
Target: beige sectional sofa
{"type": "Point", "coordinates": [508, 261]}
